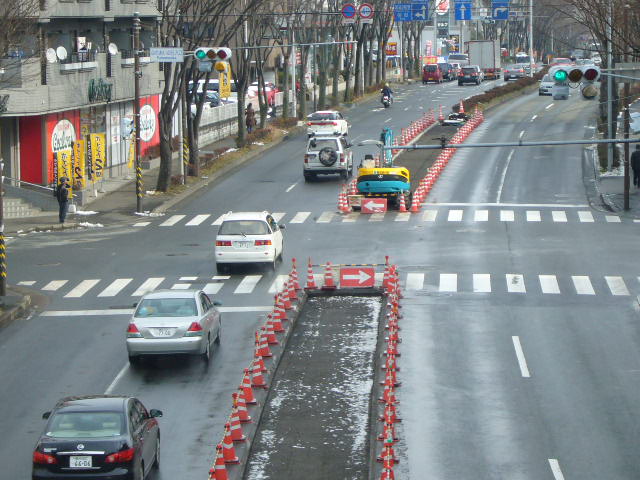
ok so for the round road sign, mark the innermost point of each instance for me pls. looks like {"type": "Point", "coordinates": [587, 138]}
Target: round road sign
{"type": "Point", "coordinates": [366, 10]}
{"type": "Point", "coordinates": [348, 10]}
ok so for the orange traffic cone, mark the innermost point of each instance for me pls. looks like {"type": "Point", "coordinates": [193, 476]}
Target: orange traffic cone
{"type": "Point", "coordinates": [294, 275]}
{"type": "Point", "coordinates": [392, 349]}
{"type": "Point", "coordinates": [279, 313]}
{"type": "Point", "coordinates": [283, 299]}
{"type": "Point", "coordinates": [311, 281]}
{"type": "Point", "coordinates": [461, 109]}
{"type": "Point", "coordinates": [291, 291]}
{"type": "Point", "coordinates": [247, 391]}
{"type": "Point", "coordinates": [391, 378]}
{"type": "Point", "coordinates": [391, 364]}
{"type": "Point", "coordinates": [276, 324]}
{"type": "Point", "coordinates": [440, 115]}
{"type": "Point", "coordinates": [329, 283]}
{"type": "Point", "coordinates": [388, 433]}
{"type": "Point", "coordinates": [387, 474]}
{"type": "Point", "coordinates": [343, 202]}
{"type": "Point", "coordinates": [387, 456]}
{"type": "Point", "coordinates": [388, 395]}
{"type": "Point", "coordinates": [235, 428]}
{"type": "Point", "coordinates": [228, 451]}
{"type": "Point", "coordinates": [393, 335]}
{"type": "Point", "coordinates": [257, 379]}
{"type": "Point", "coordinates": [262, 349]}
{"type": "Point", "coordinates": [218, 471]}
{"type": "Point", "coordinates": [269, 334]}
{"type": "Point", "coordinates": [241, 405]}
{"type": "Point", "coordinates": [390, 415]}
{"type": "Point", "coordinates": [403, 207]}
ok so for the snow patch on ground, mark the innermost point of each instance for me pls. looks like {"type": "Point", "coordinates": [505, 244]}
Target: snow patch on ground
{"type": "Point", "coordinates": [90, 225]}
{"type": "Point", "coordinates": [85, 212]}
{"type": "Point", "coordinates": [148, 214]}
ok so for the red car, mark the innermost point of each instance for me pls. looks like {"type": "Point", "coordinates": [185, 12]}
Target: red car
{"type": "Point", "coordinates": [432, 73]}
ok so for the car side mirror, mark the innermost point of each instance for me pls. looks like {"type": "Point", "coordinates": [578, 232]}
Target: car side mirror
{"type": "Point", "coordinates": [313, 143]}
{"type": "Point", "coordinates": [46, 415]}
{"type": "Point", "coordinates": [135, 304]}
{"type": "Point", "coordinates": [217, 304]}
{"type": "Point", "coordinates": [154, 413]}
{"type": "Point", "coordinates": [282, 226]}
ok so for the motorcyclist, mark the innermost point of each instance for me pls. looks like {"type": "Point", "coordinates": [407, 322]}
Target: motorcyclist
{"type": "Point", "coordinates": [386, 90]}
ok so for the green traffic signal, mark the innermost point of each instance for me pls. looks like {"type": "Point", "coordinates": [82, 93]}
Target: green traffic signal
{"type": "Point", "coordinates": [201, 53]}
{"type": "Point", "coordinates": [560, 76]}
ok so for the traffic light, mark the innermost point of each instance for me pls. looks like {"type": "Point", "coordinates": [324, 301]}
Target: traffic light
{"type": "Point", "coordinates": [207, 56]}
{"type": "Point", "coordinates": [560, 90]}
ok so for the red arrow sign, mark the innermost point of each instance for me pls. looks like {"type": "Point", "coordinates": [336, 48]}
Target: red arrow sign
{"type": "Point", "coordinates": [357, 277]}
{"type": "Point", "coordinates": [374, 205]}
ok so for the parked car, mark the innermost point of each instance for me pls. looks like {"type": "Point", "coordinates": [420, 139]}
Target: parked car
{"type": "Point", "coordinates": [327, 155]}
{"type": "Point", "coordinates": [327, 122]}
{"type": "Point", "coordinates": [98, 436]}
{"type": "Point", "coordinates": [432, 73]}
{"type": "Point", "coordinates": [517, 70]}
{"type": "Point", "coordinates": [546, 85]}
{"type": "Point", "coordinates": [173, 321]}
{"type": "Point", "coordinates": [447, 71]}
{"type": "Point", "coordinates": [470, 74]}
{"type": "Point", "coordinates": [246, 238]}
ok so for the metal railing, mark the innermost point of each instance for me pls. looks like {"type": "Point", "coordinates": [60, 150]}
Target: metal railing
{"type": "Point", "coordinates": [80, 57]}
{"type": "Point", "coordinates": [29, 184]}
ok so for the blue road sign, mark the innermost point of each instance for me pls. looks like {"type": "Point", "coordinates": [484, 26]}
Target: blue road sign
{"type": "Point", "coordinates": [500, 10]}
{"type": "Point", "coordinates": [420, 11]}
{"type": "Point", "coordinates": [463, 10]}
{"type": "Point", "coordinates": [402, 12]}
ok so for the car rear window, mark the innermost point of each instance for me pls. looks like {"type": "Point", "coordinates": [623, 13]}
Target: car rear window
{"type": "Point", "coordinates": [468, 70]}
{"type": "Point", "coordinates": [86, 425]}
{"type": "Point", "coordinates": [244, 227]}
{"type": "Point", "coordinates": [318, 144]}
{"type": "Point", "coordinates": [431, 68]}
{"type": "Point", "coordinates": [166, 307]}
{"type": "Point", "coordinates": [323, 116]}
{"type": "Point", "coordinates": [546, 78]}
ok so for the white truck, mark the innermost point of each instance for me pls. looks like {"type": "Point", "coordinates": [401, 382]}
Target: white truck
{"type": "Point", "coordinates": [485, 54]}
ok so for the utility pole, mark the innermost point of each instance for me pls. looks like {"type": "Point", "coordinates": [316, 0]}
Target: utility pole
{"type": "Point", "coordinates": [531, 38]}
{"type": "Point", "coordinates": [610, 86]}
{"type": "Point", "coordinates": [3, 254]}
{"type": "Point", "coordinates": [627, 182]}
{"type": "Point", "coordinates": [137, 73]}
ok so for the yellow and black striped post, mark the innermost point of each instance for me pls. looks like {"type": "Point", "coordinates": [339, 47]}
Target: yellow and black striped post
{"type": "Point", "coordinates": [139, 184]}
{"type": "Point", "coordinates": [185, 157]}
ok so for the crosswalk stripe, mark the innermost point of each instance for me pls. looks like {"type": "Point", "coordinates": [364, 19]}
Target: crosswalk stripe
{"type": "Point", "coordinates": [376, 217]}
{"type": "Point", "coordinates": [582, 284]}
{"type": "Point", "coordinates": [114, 288]}
{"type": "Point", "coordinates": [482, 283]}
{"type": "Point", "coordinates": [515, 283]}
{"type": "Point", "coordinates": [221, 277]}
{"type": "Point", "coordinates": [212, 288]}
{"type": "Point", "coordinates": [402, 217]}
{"type": "Point", "coordinates": [585, 216]}
{"type": "Point", "coordinates": [147, 286]}
{"type": "Point", "coordinates": [278, 283]}
{"type": "Point", "coordinates": [54, 285]}
{"type": "Point", "coordinates": [278, 216]}
{"type": "Point", "coordinates": [612, 218]}
{"type": "Point", "coordinates": [448, 282]}
{"type": "Point", "coordinates": [247, 284]}
{"type": "Point", "coordinates": [181, 286]}
{"type": "Point", "coordinates": [218, 220]}
{"type": "Point", "coordinates": [172, 220]}
{"type": "Point", "coordinates": [300, 217]}
{"type": "Point", "coordinates": [415, 281]}
{"type": "Point", "coordinates": [559, 216]}
{"type": "Point", "coordinates": [429, 215]}
{"type": "Point", "coordinates": [141, 224]}
{"type": "Point", "coordinates": [549, 284]}
{"type": "Point", "coordinates": [481, 216]}
{"type": "Point", "coordinates": [506, 216]}
{"type": "Point", "coordinates": [197, 220]}
{"type": "Point", "coordinates": [27, 283]}
{"type": "Point", "coordinates": [351, 217]}
{"type": "Point", "coordinates": [533, 216]}
{"type": "Point", "coordinates": [455, 216]}
{"type": "Point", "coordinates": [83, 287]}
{"type": "Point", "coordinates": [325, 217]}
{"type": "Point", "coordinates": [616, 285]}
{"type": "Point", "coordinates": [188, 279]}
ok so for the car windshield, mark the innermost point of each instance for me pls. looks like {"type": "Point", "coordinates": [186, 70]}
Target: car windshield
{"type": "Point", "coordinates": [86, 425]}
{"type": "Point", "coordinates": [323, 116]}
{"type": "Point", "coordinates": [546, 78]}
{"type": "Point", "coordinates": [166, 307]}
{"type": "Point", "coordinates": [244, 227]}
{"type": "Point", "coordinates": [318, 144]}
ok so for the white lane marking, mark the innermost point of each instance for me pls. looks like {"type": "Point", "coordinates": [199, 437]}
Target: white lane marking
{"type": "Point", "coordinates": [533, 216]}
{"type": "Point", "coordinates": [448, 282]}
{"type": "Point", "coordinates": [515, 283]}
{"type": "Point", "coordinates": [549, 284]}
{"type": "Point", "coordinates": [141, 224]}
{"type": "Point", "coordinates": [582, 284]}
{"type": "Point", "coordinates": [247, 284]}
{"type": "Point", "coordinates": [82, 288]}
{"type": "Point", "coordinates": [325, 217]}
{"type": "Point", "coordinates": [482, 283]}
{"type": "Point", "coordinates": [494, 204]}
{"type": "Point", "coordinates": [116, 286]}
{"type": "Point", "coordinates": [115, 381]}
{"type": "Point", "coordinates": [402, 217]}
{"type": "Point", "coordinates": [221, 277]}
{"type": "Point", "coordinates": [555, 466]}
{"type": "Point", "coordinates": [481, 216]}
{"type": "Point", "coordinates": [534, 117]}
{"type": "Point", "coordinates": [212, 288]}
{"type": "Point", "coordinates": [506, 216]}
{"type": "Point", "coordinates": [188, 279]}
{"type": "Point", "coordinates": [455, 216]}
{"type": "Point", "coordinates": [218, 220]}
{"type": "Point", "coordinates": [148, 285]}
{"type": "Point", "coordinates": [616, 285]}
{"type": "Point", "coordinates": [181, 286]}
{"type": "Point", "coordinates": [503, 176]}
{"type": "Point", "coordinates": [351, 217]}
{"type": "Point", "coordinates": [300, 217]}
{"type": "Point", "coordinates": [585, 217]}
{"type": "Point", "coordinates": [559, 216]}
{"type": "Point", "coordinates": [376, 217]}
{"type": "Point", "coordinates": [129, 311]}
{"type": "Point", "coordinates": [521, 134]}
{"type": "Point", "coordinates": [548, 106]}
{"type": "Point", "coordinates": [278, 283]}
{"type": "Point", "coordinates": [522, 362]}
{"type": "Point", "coordinates": [172, 220]}
{"type": "Point", "coordinates": [277, 216]}
{"type": "Point", "coordinates": [197, 220]}
{"type": "Point", "coordinates": [612, 218]}
{"type": "Point", "coordinates": [388, 120]}
{"type": "Point", "coordinates": [415, 281]}
{"type": "Point", "coordinates": [27, 283]}
{"type": "Point", "coordinates": [429, 215]}
{"type": "Point", "coordinates": [291, 187]}
{"type": "Point", "coordinates": [54, 285]}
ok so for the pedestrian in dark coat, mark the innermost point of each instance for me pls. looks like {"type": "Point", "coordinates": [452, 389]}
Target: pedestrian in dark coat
{"type": "Point", "coordinates": [635, 166]}
{"type": "Point", "coordinates": [250, 118]}
{"type": "Point", "coordinates": [62, 194]}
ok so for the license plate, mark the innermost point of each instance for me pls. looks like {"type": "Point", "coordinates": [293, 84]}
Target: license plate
{"type": "Point", "coordinates": [242, 244]}
{"type": "Point", "coordinates": [80, 462]}
{"type": "Point", "coordinates": [163, 332]}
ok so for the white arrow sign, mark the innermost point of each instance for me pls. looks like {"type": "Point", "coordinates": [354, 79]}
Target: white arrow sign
{"type": "Point", "coordinates": [371, 205]}
{"type": "Point", "coordinates": [362, 276]}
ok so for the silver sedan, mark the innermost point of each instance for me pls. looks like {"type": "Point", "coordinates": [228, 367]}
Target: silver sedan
{"type": "Point", "coordinates": [173, 322]}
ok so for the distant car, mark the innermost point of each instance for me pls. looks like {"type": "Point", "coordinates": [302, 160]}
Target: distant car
{"type": "Point", "coordinates": [173, 322]}
{"type": "Point", "coordinates": [515, 71]}
{"type": "Point", "coordinates": [98, 436]}
{"type": "Point", "coordinates": [246, 238]}
{"type": "Point", "coordinates": [546, 85]}
{"type": "Point", "coordinates": [456, 69]}
{"type": "Point", "coordinates": [327, 122]}
{"type": "Point", "coordinates": [447, 71]}
{"type": "Point", "coordinates": [561, 61]}
{"type": "Point", "coordinates": [432, 73]}
{"type": "Point", "coordinates": [327, 155]}
{"type": "Point", "coordinates": [470, 74]}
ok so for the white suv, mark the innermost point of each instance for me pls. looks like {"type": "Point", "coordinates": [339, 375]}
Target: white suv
{"type": "Point", "coordinates": [327, 155]}
{"type": "Point", "coordinates": [327, 122]}
{"type": "Point", "coordinates": [248, 237]}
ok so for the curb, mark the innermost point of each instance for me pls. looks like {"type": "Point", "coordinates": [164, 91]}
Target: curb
{"type": "Point", "coordinates": [18, 310]}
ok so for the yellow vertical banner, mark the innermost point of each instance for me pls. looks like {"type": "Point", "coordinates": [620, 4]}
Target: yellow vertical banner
{"type": "Point", "coordinates": [224, 81]}
{"type": "Point", "coordinates": [98, 155]}
{"type": "Point", "coordinates": [79, 165]}
{"type": "Point", "coordinates": [132, 150]}
{"type": "Point", "coordinates": [65, 167]}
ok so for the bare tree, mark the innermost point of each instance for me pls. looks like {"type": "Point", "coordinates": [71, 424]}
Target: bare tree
{"type": "Point", "coordinates": [18, 25]}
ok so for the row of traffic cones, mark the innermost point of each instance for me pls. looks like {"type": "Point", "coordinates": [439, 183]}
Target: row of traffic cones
{"type": "Point", "coordinates": [329, 282]}
{"type": "Point", "coordinates": [427, 182]}
{"type": "Point", "coordinates": [415, 128]}
{"type": "Point", "coordinates": [389, 415]}
{"type": "Point", "coordinates": [254, 376]}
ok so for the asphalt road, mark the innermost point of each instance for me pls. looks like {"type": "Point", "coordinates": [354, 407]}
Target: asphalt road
{"type": "Point", "coordinates": [507, 270]}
